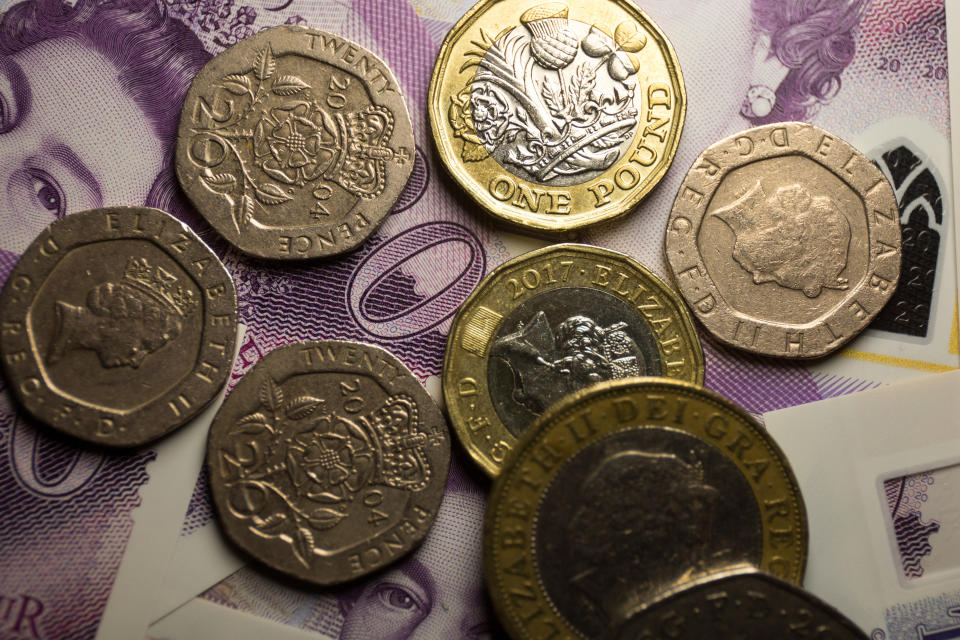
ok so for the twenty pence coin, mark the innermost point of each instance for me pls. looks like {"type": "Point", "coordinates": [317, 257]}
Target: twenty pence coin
{"type": "Point", "coordinates": [294, 143]}
{"type": "Point", "coordinates": [625, 490]}
{"type": "Point", "coordinates": [328, 461]}
{"type": "Point", "coordinates": [551, 322]}
{"type": "Point", "coordinates": [740, 604]}
{"type": "Point", "coordinates": [119, 325]}
{"type": "Point", "coordinates": [556, 115]}
{"type": "Point", "coordinates": [785, 240]}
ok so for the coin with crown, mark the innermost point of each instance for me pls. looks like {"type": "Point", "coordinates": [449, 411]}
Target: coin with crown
{"type": "Point", "coordinates": [626, 491]}
{"type": "Point", "coordinates": [553, 115]}
{"type": "Point", "coordinates": [295, 143]}
{"type": "Point", "coordinates": [120, 325]}
{"type": "Point", "coordinates": [328, 461]}
{"type": "Point", "coordinates": [551, 322]}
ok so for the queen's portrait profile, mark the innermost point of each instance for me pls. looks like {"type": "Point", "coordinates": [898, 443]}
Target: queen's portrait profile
{"type": "Point", "coordinates": [125, 320]}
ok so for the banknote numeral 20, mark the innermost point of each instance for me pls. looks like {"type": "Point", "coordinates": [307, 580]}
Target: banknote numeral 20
{"type": "Point", "coordinates": [889, 64]}
{"type": "Point", "coordinates": [935, 72]}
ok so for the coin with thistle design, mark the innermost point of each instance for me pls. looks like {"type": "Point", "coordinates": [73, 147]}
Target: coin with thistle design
{"type": "Point", "coordinates": [328, 461]}
{"type": "Point", "coordinates": [119, 325]}
{"type": "Point", "coordinates": [555, 115]}
{"type": "Point", "coordinates": [295, 143]}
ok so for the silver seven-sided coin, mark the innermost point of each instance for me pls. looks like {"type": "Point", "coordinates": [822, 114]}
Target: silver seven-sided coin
{"type": "Point", "coordinates": [118, 325]}
{"type": "Point", "coordinates": [295, 143]}
{"type": "Point", "coordinates": [328, 461]}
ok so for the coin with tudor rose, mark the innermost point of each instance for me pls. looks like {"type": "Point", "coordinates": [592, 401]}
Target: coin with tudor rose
{"type": "Point", "coordinates": [558, 115]}
{"type": "Point", "coordinates": [295, 143]}
{"type": "Point", "coordinates": [785, 240]}
{"type": "Point", "coordinates": [119, 325]}
{"type": "Point", "coordinates": [328, 461]}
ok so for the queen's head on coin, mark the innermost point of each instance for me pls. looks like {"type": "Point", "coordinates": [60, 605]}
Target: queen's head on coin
{"type": "Point", "coordinates": [78, 83]}
{"type": "Point", "coordinates": [641, 520]}
{"type": "Point", "coordinates": [124, 320]}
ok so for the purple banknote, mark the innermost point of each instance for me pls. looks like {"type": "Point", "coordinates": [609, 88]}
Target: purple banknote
{"type": "Point", "coordinates": [89, 104]}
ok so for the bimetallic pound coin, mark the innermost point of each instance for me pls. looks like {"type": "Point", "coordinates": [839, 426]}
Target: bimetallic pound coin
{"type": "Point", "coordinates": [626, 490]}
{"type": "Point", "coordinates": [328, 461]}
{"type": "Point", "coordinates": [294, 143]}
{"type": "Point", "coordinates": [785, 240]}
{"type": "Point", "coordinates": [556, 115]}
{"type": "Point", "coordinates": [118, 325]}
{"type": "Point", "coordinates": [551, 322]}
{"type": "Point", "coordinates": [741, 604]}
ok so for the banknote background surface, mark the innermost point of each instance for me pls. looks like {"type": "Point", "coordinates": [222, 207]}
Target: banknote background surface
{"type": "Point", "coordinates": [884, 90]}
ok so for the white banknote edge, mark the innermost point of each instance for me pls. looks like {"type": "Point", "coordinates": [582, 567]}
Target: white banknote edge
{"type": "Point", "coordinates": [842, 450]}
{"type": "Point", "coordinates": [156, 527]}
{"type": "Point", "coordinates": [203, 620]}
{"type": "Point", "coordinates": [953, 65]}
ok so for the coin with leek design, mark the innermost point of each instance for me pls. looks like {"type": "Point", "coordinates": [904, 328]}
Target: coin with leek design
{"type": "Point", "coordinates": [551, 322]}
{"type": "Point", "coordinates": [785, 240]}
{"type": "Point", "coordinates": [739, 604]}
{"type": "Point", "coordinates": [328, 461]}
{"type": "Point", "coordinates": [622, 492]}
{"type": "Point", "coordinates": [295, 143]}
{"type": "Point", "coordinates": [119, 325]}
{"type": "Point", "coordinates": [556, 115]}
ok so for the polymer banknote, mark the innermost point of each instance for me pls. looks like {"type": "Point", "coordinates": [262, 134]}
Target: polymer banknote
{"type": "Point", "coordinates": [883, 89]}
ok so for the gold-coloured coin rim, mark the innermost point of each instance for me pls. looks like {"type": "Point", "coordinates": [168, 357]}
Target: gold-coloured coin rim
{"type": "Point", "coordinates": [503, 501]}
{"type": "Point", "coordinates": [554, 223]}
{"type": "Point", "coordinates": [485, 450]}
{"type": "Point", "coordinates": [835, 327]}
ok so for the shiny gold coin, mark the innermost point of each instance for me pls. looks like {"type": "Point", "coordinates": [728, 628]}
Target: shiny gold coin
{"type": "Point", "coordinates": [294, 143]}
{"type": "Point", "coordinates": [557, 115]}
{"type": "Point", "coordinates": [785, 240]}
{"type": "Point", "coordinates": [549, 323]}
{"type": "Point", "coordinates": [629, 489]}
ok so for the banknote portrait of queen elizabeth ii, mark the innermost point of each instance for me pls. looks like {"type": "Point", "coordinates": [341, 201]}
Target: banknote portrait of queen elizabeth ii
{"type": "Point", "coordinates": [78, 85]}
{"type": "Point", "coordinates": [86, 121]}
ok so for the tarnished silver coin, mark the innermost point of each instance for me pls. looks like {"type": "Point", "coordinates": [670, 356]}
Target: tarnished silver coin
{"type": "Point", "coordinates": [328, 461]}
{"type": "Point", "coordinates": [785, 240]}
{"type": "Point", "coordinates": [295, 143]}
{"type": "Point", "coordinates": [740, 604]}
{"type": "Point", "coordinates": [118, 325]}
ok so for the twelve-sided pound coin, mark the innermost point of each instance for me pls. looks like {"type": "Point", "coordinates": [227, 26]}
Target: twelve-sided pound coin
{"type": "Point", "coordinates": [119, 325]}
{"type": "Point", "coordinates": [557, 115]}
{"type": "Point", "coordinates": [551, 322]}
{"type": "Point", "coordinates": [626, 490]}
{"type": "Point", "coordinates": [785, 240]}
{"type": "Point", "coordinates": [328, 461]}
{"type": "Point", "coordinates": [295, 143]}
